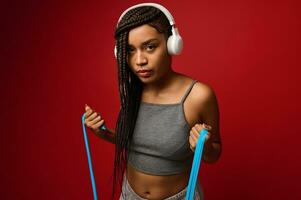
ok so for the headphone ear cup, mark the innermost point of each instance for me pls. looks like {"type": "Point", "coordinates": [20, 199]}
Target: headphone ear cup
{"type": "Point", "coordinates": [115, 51]}
{"type": "Point", "coordinates": [175, 43]}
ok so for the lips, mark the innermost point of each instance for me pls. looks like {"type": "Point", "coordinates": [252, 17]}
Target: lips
{"type": "Point", "coordinates": [144, 73]}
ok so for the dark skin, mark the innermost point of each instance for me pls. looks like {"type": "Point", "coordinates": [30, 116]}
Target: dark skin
{"type": "Point", "coordinates": [164, 86]}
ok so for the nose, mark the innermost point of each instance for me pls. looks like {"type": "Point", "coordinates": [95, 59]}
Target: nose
{"type": "Point", "coordinates": [141, 59]}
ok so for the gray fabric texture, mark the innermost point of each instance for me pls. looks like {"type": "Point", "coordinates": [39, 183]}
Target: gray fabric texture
{"type": "Point", "coordinates": [160, 144]}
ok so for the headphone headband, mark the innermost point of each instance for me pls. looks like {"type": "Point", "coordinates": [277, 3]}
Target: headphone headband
{"type": "Point", "coordinates": [160, 7]}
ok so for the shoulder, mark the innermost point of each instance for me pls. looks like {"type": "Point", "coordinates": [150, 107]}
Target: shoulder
{"type": "Point", "coordinates": [202, 93]}
{"type": "Point", "coordinates": [204, 101]}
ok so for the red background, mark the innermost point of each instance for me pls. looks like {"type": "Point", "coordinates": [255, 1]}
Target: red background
{"type": "Point", "coordinates": [58, 55]}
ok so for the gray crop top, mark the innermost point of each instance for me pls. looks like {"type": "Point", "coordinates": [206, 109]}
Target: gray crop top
{"type": "Point", "coordinates": [160, 144]}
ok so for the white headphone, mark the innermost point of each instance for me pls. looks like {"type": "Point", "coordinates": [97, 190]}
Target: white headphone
{"type": "Point", "coordinates": [174, 42]}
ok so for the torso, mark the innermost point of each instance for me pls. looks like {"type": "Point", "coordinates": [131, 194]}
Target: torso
{"type": "Point", "coordinates": [159, 187]}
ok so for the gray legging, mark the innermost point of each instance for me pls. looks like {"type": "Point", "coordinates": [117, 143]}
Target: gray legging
{"type": "Point", "coordinates": [129, 194]}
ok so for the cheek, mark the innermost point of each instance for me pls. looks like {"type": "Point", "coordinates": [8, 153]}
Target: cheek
{"type": "Point", "coordinates": [161, 56]}
{"type": "Point", "coordinates": [162, 63]}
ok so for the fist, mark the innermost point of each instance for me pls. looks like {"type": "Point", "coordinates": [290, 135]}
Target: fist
{"type": "Point", "coordinates": [93, 119]}
{"type": "Point", "coordinates": [195, 134]}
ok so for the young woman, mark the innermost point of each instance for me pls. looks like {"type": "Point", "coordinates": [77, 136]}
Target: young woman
{"type": "Point", "coordinates": [162, 112]}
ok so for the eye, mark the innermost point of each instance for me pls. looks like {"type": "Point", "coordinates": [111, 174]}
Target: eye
{"type": "Point", "coordinates": [151, 47]}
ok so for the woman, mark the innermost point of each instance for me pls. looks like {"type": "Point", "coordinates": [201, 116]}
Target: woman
{"type": "Point", "coordinates": [162, 113]}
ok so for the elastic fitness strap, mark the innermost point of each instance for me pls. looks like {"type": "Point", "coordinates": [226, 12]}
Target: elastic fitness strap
{"type": "Point", "coordinates": [196, 164]}
{"type": "Point", "coordinates": [194, 170]}
{"type": "Point", "coordinates": [89, 157]}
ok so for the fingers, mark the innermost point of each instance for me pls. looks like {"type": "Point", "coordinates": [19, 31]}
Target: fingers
{"type": "Point", "coordinates": [97, 125]}
{"type": "Point", "coordinates": [195, 134]}
{"type": "Point", "coordinates": [206, 126]}
{"type": "Point", "coordinates": [192, 147]}
{"type": "Point", "coordinates": [193, 138]}
{"type": "Point", "coordinates": [192, 142]}
{"type": "Point", "coordinates": [93, 116]}
{"type": "Point", "coordinates": [88, 112]}
{"type": "Point", "coordinates": [93, 119]}
{"type": "Point", "coordinates": [199, 127]}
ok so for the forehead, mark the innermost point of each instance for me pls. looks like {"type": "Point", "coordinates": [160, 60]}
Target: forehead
{"type": "Point", "coordinates": [143, 33]}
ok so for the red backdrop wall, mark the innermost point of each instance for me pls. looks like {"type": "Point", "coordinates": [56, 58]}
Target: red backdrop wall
{"type": "Point", "coordinates": [58, 55]}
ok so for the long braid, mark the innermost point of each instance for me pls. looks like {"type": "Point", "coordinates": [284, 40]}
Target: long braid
{"type": "Point", "coordinates": [130, 87]}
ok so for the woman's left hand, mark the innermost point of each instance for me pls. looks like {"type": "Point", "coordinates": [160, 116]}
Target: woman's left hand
{"type": "Point", "coordinates": [195, 134]}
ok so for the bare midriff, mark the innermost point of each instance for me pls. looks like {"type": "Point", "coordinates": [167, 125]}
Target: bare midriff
{"type": "Point", "coordinates": [156, 187]}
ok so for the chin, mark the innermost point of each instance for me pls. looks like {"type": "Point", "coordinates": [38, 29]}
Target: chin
{"type": "Point", "coordinates": [147, 80]}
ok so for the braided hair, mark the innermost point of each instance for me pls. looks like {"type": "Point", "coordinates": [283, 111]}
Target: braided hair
{"type": "Point", "coordinates": [130, 87]}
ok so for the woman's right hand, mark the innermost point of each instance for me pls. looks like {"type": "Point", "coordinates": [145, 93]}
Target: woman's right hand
{"type": "Point", "coordinates": [93, 120]}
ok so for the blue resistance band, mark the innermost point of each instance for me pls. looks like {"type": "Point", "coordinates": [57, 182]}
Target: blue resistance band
{"type": "Point", "coordinates": [196, 165]}
{"type": "Point", "coordinates": [193, 174]}
{"type": "Point", "coordinates": [89, 157]}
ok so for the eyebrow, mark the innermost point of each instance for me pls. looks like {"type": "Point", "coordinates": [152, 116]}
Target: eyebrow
{"type": "Point", "coordinates": [147, 41]}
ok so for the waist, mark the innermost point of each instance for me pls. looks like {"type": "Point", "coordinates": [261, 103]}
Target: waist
{"type": "Point", "coordinates": [156, 186]}
{"type": "Point", "coordinates": [158, 165]}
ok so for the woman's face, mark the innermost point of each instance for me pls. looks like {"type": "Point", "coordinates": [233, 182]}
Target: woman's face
{"type": "Point", "coordinates": [148, 51]}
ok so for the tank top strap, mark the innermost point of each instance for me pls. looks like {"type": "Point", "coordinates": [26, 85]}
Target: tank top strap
{"type": "Point", "coordinates": [188, 91]}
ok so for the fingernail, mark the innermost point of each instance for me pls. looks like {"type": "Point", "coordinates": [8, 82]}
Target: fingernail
{"type": "Point", "coordinates": [86, 107]}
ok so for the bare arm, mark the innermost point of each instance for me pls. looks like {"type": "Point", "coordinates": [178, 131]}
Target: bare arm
{"type": "Point", "coordinates": [108, 135]}
{"type": "Point", "coordinates": [209, 115]}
